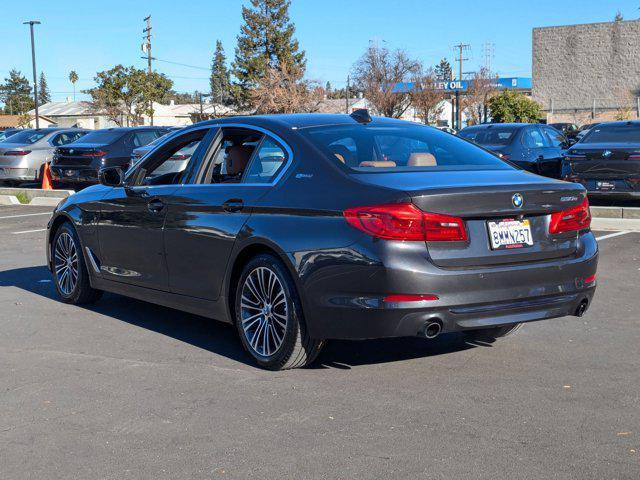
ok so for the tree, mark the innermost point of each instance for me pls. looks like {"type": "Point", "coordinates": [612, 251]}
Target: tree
{"type": "Point", "coordinates": [266, 42]}
{"type": "Point", "coordinates": [15, 93]}
{"type": "Point", "coordinates": [73, 78]}
{"type": "Point", "coordinates": [377, 74]}
{"type": "Point", "coordinates": [512, 106]}
{"type": "Point", "coordinates": [481, 87]}
{"type": "Point", "coordinates": [618, 17]}
{"type": "Point", "coordinates": [425, 97]}
{"type": "Point", "coordinates": [44, 95]}
{"type": "Point", "coordinates": [327, 89]}
{"type": "Point", "coordinates": [443, 71]}
{"type": "Point", "coordinates": [281, 91]}
{"type": "Point", "coordinates": [125, 94]}
{"type": "Point", "coordinates": [220, 79]}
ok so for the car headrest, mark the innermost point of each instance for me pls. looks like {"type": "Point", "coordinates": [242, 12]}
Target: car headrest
{"type": "Point", "coordinates": [237, 158]}
{"type": "Point", "coordinates": [422, 160]}
{"type": "Point", "coordinates": [342, 153]}
{"type": "Point", "coordinates": [379, 164]}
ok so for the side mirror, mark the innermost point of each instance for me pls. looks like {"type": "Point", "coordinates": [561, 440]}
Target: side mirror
{"type": "Point", "coordinates": [111, 176]}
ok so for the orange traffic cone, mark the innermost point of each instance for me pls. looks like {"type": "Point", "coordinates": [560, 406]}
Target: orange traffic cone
{"type": "Point", "coordinates": [46, 178]}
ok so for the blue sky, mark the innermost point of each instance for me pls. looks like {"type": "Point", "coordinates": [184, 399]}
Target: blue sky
{"type": "Point", "coordinates": [89, 36]}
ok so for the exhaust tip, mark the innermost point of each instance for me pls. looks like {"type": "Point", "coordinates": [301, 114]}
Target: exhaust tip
{"type": "Point", "coordinates": [432, 329]}
{"type": "Point", "coordinates": [581, 308]}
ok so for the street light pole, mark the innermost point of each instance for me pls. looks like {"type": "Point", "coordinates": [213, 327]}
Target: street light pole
{"type": "Point", "coordinates": [31, 23]}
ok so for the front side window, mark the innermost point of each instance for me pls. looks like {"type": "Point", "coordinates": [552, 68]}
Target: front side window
{"type": "Point", "coordinates": [168, 164]}
{"type": "Point", "coordinates": [368, 148]}
{"type": "Point", "coordinates": [267, 162]}
{"type": "Point", "coordinates": [532, 138]}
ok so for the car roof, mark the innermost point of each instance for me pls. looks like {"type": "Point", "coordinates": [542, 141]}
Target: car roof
{"type": "Point", "coordinates": [129, 129]}
{"type": "Point", "coordinates": [635, 123]}
{"type": "Point", "coordinates": [497, 125]}
{"type": "Point", "coordinates": [301, 120]}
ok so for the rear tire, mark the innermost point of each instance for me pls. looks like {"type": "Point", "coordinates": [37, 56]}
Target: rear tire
{"type": "Point", "coordinates": [70, 274]}
{"type": "Point", "coordinates": [269, 316]}
{"type": "Point", "coordinates": [493, 333]}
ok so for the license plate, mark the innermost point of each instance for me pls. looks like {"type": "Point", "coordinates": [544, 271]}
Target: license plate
{"type": "Point", "coordinates": [605, 185]}
{"type": "Point", "coordinates": [70, 173]}
{"type": "Point", "coordinates": [510, 234]}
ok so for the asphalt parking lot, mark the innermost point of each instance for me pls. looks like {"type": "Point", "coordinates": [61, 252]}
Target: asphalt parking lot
{"type": "Point", "coordinates": [126, 389]}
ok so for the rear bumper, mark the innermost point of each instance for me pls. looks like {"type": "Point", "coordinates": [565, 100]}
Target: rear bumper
{"type": "Point", "coordinates": [468, 298]}
{"type": "Point", "coordinates": [16, 173]}
{"type": "Point", "coordinates": [70, 174]}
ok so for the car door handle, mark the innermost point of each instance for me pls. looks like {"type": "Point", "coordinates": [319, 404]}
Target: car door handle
{"type": "Point", "coordinates": [155, 206]}
{"type": "Point", "coordinates": [233, 205]}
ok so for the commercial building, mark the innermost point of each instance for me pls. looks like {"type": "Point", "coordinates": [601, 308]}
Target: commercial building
{"type": "Point", "coordinates": [587, 73]}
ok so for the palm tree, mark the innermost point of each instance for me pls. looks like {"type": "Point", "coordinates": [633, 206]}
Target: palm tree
{"type": "Point", "coordinates": [73, 78]}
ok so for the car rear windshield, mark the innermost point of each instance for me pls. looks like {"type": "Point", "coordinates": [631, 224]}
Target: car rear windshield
{"type": "Point", "coordinates": [489, 135]}
{"type": "Point", "coordinates": [27, 137]}
{"type": "Point", "coordinates": [613, 134]}
{"type": "Point", "coordinates": [367, 148]}
{"type": "Point", "coordinates": [103, 137]}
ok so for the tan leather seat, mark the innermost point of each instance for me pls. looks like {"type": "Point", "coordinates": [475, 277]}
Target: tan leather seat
{"type": "Point", "coordinates": [237, 158]}
{"type": "Point", "coordinates": [380, 164]}
{"type": "Point", "coordinates": [342, 153]}
{"type": "Point", "coordinates": [422, 160]}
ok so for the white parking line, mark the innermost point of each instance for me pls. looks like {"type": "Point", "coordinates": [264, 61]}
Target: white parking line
{"type": "Point", "coordinates": [30, 231]}
{"type": "Point", "coordinates": [611, 235]}
{"type": "Point", "coordinates": [26, 215]}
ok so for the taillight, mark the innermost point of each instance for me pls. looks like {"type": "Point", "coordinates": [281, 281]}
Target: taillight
{"type": "Point", "coordinates": [633, 157]}
{"type": "Point", "coordinates": [405, 221]}
{"type": "Point", "coordinates": [179, 157]}
{"type": "Point", "coordinates": [575, 157]}
{"type": "Point", "coordinates": [17, 153]}
{"type": "Point", "coordinates": [571, 220]}
{"type": "Point", "coordinates": [99, 153]}
{"type": "Point", "coordinates": [503, 156]}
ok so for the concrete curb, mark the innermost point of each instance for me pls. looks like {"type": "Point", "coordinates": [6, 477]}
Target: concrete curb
{"type": "Point", "coordinates": [45, 201]}
{"type": "Point", "coordinates": [9, 200]}
{"type": "Point", "coordinates": [616, 224]}
{"type": "Point", "coordinates": [615, 212]}
{"type": "Point", "coordinates": [31, 193]}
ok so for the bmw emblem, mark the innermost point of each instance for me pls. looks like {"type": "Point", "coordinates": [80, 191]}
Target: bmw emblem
{"type": "Point", "coordinates": [71, 151]}
{"type": "Point", "coordinates": [607, 153]}
{"type": "Point", "coordinates": [517, 200]}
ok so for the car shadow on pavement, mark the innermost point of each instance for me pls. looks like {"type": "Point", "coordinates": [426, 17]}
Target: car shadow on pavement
{"type": "Point", "coordinates": [222, 339]}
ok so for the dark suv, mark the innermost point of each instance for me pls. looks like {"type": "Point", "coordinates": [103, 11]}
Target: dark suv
{"type": "Point", "coordinates": [534, 147]}
{"type": "Point", "coordinates": [79, 162]}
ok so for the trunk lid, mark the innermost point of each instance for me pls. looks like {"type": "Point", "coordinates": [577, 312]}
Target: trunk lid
{"type": "Point", "coordinates": [76, 154]}
{"type": "Point", "coordinates": [479, 197]}
{"type": "Point", "coordinates": [603, 161]}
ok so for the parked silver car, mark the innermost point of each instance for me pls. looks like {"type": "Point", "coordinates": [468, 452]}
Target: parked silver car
{"type": "Point", "coordinates": [23, 155]}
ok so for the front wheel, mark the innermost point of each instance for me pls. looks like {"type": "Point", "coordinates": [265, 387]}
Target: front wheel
{"type": "Point", "coordinates": [70, 274]}
{"type": "Point", "coordinates": [269, 316]}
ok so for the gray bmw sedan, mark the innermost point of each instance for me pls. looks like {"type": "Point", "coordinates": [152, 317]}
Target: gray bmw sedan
{"type": "Point", "coordinates": [302, 228]}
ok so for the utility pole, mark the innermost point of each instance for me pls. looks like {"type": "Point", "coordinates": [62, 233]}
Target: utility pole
{"type": "Point", "coordinates": [146, 47]}
{"type": "Point", "coordinates": [461, 47]}
{"type": "Point", "coordinates": [346, 96]}
{"type": "Point", "coordinates": [31, 23]}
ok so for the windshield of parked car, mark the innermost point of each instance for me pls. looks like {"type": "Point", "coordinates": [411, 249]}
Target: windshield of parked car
{"type": "Point", "coordinates": [27, 137]}
{"type": "Point", "coordinates": [629, 133]}
{"type": "Point", "coordinates": [491, 135]}
{"type": "Point", "coordinates": [367, 148]}
{"type": "Point", "coordinates": [103, 137]}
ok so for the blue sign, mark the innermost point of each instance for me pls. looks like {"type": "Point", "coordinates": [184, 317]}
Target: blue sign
{"type": "Point", "coordinates": [516, 83]}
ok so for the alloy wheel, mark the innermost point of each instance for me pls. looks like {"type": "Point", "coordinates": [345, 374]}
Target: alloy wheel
{"type": "Point", "coordinates": [264, 311]}
{"type": "Point", "coordinates": [66, 263]}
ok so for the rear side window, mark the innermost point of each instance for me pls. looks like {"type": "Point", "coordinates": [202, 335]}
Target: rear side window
{"type": "Point", "coordinates": [140, 139]}
{"type": "Point", "coordinates": [368, 148]}
{"type": "Point", "coordinates": [66, 137]}
{"type": "Point", "coordinates": [555, 138]}
{"type": "Point", "coordinates": [629, 133]}
{"type": "Point", "coordinates": [492, 135]}
{"type": "Point", "coordinates": [27, 137]}
{"type": "Point", "coordinates": [266, 162]}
